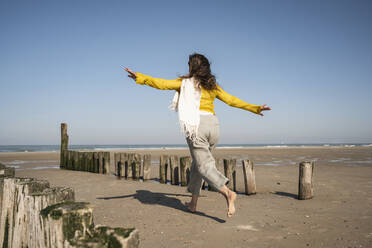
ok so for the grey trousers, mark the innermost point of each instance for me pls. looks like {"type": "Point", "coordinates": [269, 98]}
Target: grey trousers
{"type": "Point", "coordinates": [203, 165]}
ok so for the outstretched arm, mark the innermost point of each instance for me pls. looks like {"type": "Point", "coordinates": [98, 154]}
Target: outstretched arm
{"type": "Point", "coordinates": [158, 83]}
{"type": "Point", "coordinates": [238, 103]}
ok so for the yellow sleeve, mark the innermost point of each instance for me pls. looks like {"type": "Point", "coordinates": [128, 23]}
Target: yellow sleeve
{"type": "Point", "coordinates": [159, 83]}
{"type": "Point", "coordinates": [236, 102]}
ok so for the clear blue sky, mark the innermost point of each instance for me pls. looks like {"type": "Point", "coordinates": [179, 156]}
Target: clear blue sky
{"type": "Point", "coordinates": [311, 61]}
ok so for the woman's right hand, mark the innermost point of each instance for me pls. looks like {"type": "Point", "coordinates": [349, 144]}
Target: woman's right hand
{"type": "Point", "coordinates": [131, 73]}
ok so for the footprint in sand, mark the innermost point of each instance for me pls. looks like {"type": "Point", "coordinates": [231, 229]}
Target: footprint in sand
{"type": "Point", "coordinates": [247, 227]}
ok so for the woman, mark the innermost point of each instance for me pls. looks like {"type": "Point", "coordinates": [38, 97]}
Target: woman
{"type": "Point", "coordinates": [199, 122]}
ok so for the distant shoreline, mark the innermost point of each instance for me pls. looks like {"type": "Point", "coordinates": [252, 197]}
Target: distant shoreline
{"type": "Point", "coordinates": [223, 148]}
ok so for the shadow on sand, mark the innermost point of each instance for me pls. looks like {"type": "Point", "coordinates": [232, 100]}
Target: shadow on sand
{"type": "Point", "coordinates": [290, 195]}
{"type": "Point", "coordinates": [148, 197]}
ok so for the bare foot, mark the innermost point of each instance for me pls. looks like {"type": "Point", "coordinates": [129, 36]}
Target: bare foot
{"type": "Point", "coordinates": [190, 207]}
{"type": "Point", "coordinates": [231, 197]}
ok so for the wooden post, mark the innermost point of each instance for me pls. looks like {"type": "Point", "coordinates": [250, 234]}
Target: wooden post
{"type": "Point", "coordinates": [84, 161]}
{"type": "Point", "coordinates": [65, 159]}
{"type": "Point", "coordinates": [106, 163]}
{"type": "Point", "coordinates": [100, 162]}
{"type": "Point", "coordinates": [96, 162]}
{"type": "Point", "coordinates": [136, 166]}
{"type": "Point", "coordinates": [146, 166]}
{"type": "Point", "coordinates": [35, 215]}
{"type": "Point", "coordinates": [81, 161]}
{"type": "Point", "coordinates": [117, 164]}
{"type": "Point", "coordinates": [124, 164]}
{"type": "Point", "coordinates": [185, 164]}
{"type": "Point", "coordinates": [64, 145]}
{"type": "Point", "coordinates": [249, 177]}
{"type": "Point", "coordinates": [88, 161]}
{"type": "Point", "coordinates": [129, 165]}
{"type": "Point", "coordinates": [163, 166]}
{"type": "Point", "coordinates": [174, 170]}
{"type": "Point", "coordinates": [76, 160]}
{"type": "Point", "coordinates": [305, 182]}
{"type": "Point", "coordinates": [229, 166]}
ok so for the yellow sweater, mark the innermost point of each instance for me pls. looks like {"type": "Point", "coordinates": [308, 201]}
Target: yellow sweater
{"type": "Point", "coordinates": [207, 96]}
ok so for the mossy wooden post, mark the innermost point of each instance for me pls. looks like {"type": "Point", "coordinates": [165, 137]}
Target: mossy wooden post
{"type": "Point", "coordinates": [64, 145]}
{"type": "Point", "coordinates": [146, 166]}
{"type": "Point", "coordinates": [305, 182]}
{"type": "Point", "coordinates": [174, 170]}
{"type": "Point", "coordinates": [106, 163]}
{"type": "Point", "coordinates": [185, 164]}
{"type": "Point", "coordinates": [229, 166]}
{"type": "Point", "coordinates": [70, 224]}
{"type": "Point", "coordinates": [163, 166]}
{"type": "Point", "coordinates": [249, 177]}
{"type": "Point", "coordinates": [35, 215]}
{"type": "Point", "coordinates": [136, 166]}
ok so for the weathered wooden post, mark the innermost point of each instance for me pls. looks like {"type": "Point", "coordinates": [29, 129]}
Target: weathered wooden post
{"type": "Point", "coordinates": [249, 177]}
{"type": "Point", "coordinates": [129, 165]}
{"type": "Point", "coordinates": [96, 162]}
{"type": "Point", "coordinates": [65, 159]}
{"type": "Point", "coordinates": [136, 166]}
{"type": "Point", "coordinates": [229, 168]}
{"type": "Point", "coordinates": [35, 215]}
{"type": "Point", "coordinates": [76, 160]}
{"type": "Point", "coordinates": [68, 160]}
{"type": "Point", "coordinates": [84, 161]}
{"type": "Point", "coordinates": [106, 163]}
{"type": "Point", "coordinates": [117, 164]}
{"type": "Point", "coordinates": [174, 170]}
{"type": "Point", "coordinates": [123, 165]}
{"type": "Point", "coordinates": [64, 145]}
{"type": "Point", "coordinates": [146, 166]}
{"type": "Point", "coordinates": [163, 166]}
{"type": "Point", "coordinates": [100, 162]}
{"type": "Point", "coordinates": [81, 161]}
{"type": "Point", "coordinates": [305, 182]}
{"type": "Point", "coordinates": [185, 164]}
{"type": "Point", "coordinates": [89, 161]}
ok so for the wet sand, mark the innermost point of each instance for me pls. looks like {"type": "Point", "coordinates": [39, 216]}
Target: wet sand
{"type": "Point", "coordinates": [340, 214]}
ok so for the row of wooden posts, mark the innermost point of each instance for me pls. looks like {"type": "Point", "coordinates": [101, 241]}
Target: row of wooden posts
{"type": "Point", "coordinates": [96, 162]}
{"type": "Point", "coordinates": [137, 166]}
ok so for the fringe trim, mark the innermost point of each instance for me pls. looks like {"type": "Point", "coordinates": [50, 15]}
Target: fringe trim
{"type": "Point", "coordinates": [189, 131]}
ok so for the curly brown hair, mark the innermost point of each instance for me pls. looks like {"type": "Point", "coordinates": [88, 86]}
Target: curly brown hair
{"type": "Point", "coordinates": [200, 69]}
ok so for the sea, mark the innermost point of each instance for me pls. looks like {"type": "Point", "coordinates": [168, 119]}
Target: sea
{"type": "Point", "coordinates": [55, 148]}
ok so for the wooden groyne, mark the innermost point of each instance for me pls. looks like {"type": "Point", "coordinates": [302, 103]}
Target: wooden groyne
{"type": "Point", "coordinates": [33, 214]}
{"type": "Point", "coordinates": [173, 170]}
{"type": "Point", "coordinates": [96, 162]}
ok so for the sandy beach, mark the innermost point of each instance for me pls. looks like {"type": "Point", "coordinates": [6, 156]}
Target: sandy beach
{"type": "Point", "coordinates": [340, 214]}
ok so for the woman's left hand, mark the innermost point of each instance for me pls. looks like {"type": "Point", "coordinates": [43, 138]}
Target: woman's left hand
{"type": "Point", "coordinates": [264, 108]}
